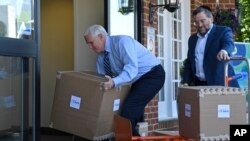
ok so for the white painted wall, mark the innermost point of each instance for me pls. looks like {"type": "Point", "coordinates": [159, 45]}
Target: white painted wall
{"type": "Point", "coordinates": [86, 13]}
{"type": "Point", "coordinates": [57, 49]}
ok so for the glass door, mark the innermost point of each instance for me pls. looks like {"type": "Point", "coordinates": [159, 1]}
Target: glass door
{"type": "Point", "coordinates": [125, 14]}
{"type": "Point", "coordinates": [19, 70]}
{"type": "Point", "coordinates": [173, 33]}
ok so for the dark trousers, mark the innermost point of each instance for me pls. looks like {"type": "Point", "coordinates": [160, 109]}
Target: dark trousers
{"type": "Point", "coordinates": [198, 82]}
{"type": "Point", "coordinates": [142, 91]}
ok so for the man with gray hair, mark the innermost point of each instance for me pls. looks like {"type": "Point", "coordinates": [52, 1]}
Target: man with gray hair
{"type": "Point", "coordinates": [129, 61]}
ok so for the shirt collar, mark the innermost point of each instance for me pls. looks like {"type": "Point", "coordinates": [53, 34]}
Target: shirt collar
{"type": "Point", "coordinates": [107, 44]}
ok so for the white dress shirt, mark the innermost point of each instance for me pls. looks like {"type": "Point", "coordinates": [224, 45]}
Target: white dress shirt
{"type": "Point", "coordinates": [199, 55]}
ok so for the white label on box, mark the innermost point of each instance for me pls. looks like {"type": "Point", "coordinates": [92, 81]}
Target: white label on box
{"type": "Point", "coordinates": [75, 102]}
{"type": "Point", "coordinates": [116, 105]}
{"type": "Point", "coordinates": [223, 111]}
{"type": "Point", "coordinates": [187, 110]}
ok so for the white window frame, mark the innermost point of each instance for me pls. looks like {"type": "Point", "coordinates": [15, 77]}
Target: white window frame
{"type": "Point", "coordinates": [167, 105]}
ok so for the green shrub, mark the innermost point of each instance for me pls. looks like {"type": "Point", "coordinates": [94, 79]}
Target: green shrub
{"type": "Point", "coordinates": [243, 33]}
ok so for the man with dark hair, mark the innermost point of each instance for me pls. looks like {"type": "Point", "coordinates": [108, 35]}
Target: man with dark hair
{"type": "Point", "coordinates": [207, 51]}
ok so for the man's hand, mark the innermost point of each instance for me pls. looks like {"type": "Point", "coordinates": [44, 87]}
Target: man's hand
{"type": "Point", "coordinates": [109, 84]}
{"type": "Point", "coordinates": [223, 55]}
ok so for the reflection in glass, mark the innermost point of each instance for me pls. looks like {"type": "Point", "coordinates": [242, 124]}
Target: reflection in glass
{"type": "Point", "coordinates": [10, 86]}
{"type": "Point", "coordinates": [179, 31]}
{"type": "Point", "coordinates": [161, 47]}
{"type": "Point", "coordinates": [160, 28]}
{"type": "Point", "coordinates": [176, 85]}
{"type": "Point", "coordinates": [179, 50]}
{"type": "Point", "coordinates": [174, 31]}
{"type": "Point", "coordinates": [16, 18]}
{"type": "Point", "coordinates": [118, 23]}
{"type": "Point", "coordinates": [126, 6]}
{"type": "Point", "coordinates": [175, 50]}
{"type": "Point", "coordinates": [162, 91]}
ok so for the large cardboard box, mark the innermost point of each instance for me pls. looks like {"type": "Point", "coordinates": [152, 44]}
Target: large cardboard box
{"type": "Point", "coordinates": [81, 107]}
{"type": "Point", "coordinates": [206, 112]}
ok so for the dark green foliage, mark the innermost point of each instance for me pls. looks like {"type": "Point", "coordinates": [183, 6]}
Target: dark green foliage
{"type": "Point", "coordinates": [226, 17]}
{"type": "Point", "coordinates": [243, 34]}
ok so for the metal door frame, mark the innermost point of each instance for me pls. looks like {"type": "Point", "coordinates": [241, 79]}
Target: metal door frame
{"type": "Point", "coordinates": [27, 49]}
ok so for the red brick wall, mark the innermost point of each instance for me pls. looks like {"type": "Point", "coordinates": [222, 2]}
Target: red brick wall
{"type": "Point", "coordinates": [151, 110]}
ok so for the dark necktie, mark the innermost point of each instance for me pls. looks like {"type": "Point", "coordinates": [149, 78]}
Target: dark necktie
{"type": "Point", "coordinates": [106, 62]}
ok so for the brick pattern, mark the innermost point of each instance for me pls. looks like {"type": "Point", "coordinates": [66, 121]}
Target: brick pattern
{"type": "Point", "coordinates": [151, 110]}
{"type": "Point", "coordinates": [151, 114]}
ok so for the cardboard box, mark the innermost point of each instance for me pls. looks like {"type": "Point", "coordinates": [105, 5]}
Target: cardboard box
{"type": "Point", "coordinates": [81, 107]}
{"type": "Point", "coordinates": [206, 112]}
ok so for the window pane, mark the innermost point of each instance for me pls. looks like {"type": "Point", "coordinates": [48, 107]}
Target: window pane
{"type": "Point", "coordinates": [175, 89]}
{"type": "Point", "coordinates": [175, 30]}
{"type": "Point", "coordinates": [179, 51]}
{"type": "Point", "coordinates": [179, 67]}
{"type": "Point", "coordinates": [160, 30]}
{"type": "Point", "coordinates": [162, 91]}
{"type": "Point", "coordinates": [161, 1]}
{"type": "Point", "coordinates": [175, 14]}
{"type": "Point", "coordinates": [16, 18]}
{"type": "Point", "coordinates": [179, 30]}
{"type": "Point", "coordinates": [161, 94]}
{"type": "Point", "coordinates": [179, 13]}
{"type": "Point", "coordinates": [176, 85]}
{"type": "Point", "coordinates": [175, 50]}
{"type": "Point", "coordinates": [10, 86]}
{"type": "Point", "coordinates": [175, 70]}
{"type": "Point", "coordinates": [160, 47]}
{"type": "Point", "coordinates": [120, 19]}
